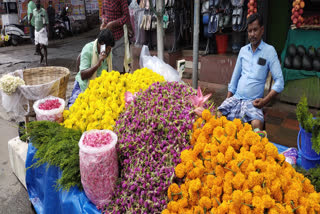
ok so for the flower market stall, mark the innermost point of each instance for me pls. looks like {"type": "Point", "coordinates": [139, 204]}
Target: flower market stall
{"type": "Point", "coordinates": [136, 143]}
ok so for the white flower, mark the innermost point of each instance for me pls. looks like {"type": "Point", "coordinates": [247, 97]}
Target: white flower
{"type": "Point", "coordinates": [9, 83]}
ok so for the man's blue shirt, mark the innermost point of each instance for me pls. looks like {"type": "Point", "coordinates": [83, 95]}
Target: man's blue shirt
{"type": "Point", "coordinates": [249, 77]}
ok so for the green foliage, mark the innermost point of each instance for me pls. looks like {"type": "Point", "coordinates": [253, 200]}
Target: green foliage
{"type": "Point", "coordinates": [309, 124]}
{"type": "Point", "coordinates": [312, 174]}
{"type": "Point", "coordinates": [57, 146]}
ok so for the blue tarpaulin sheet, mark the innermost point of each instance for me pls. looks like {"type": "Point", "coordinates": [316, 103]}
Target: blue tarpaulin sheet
{"type": "Point", "coordinates": [46, 200]}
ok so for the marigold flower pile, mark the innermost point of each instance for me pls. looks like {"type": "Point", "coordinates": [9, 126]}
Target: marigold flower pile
{"type": "Point", "coordinates": [151, 134]}
{"type": "Point", "coordinates": [230, 169]}
{"type": "Point", "coordinates": [99, 106]}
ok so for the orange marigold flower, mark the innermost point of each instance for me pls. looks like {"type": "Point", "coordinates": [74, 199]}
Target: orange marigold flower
{"type": "Point", "coordinates": [271, 150]}
{"type": "Point", "coordinates": [257, 203]}
{"type": "Point", "coordinates": [227, 187]}
{"type": "Point", "coordinates": [245, 209]}
{"type": "Point", "coordinates": [210, 181]}
{"type": "Point", "coordinates": [257, 191]}
{"type": "Point", "coordinates": [218, 132]}
{"type": "Point", "coordinates": [173, 206]}
{"type": "Point", "coordinates": [166, 211]}
{"type": "Point", "coordinates": [183, 202]}
{"type": "Point", "coordinates": [172, 191]}
{"type": "Point", "coordinates": [268, 202]}
{"type": "Point", "coordinates": [220, 158]}
{"type": "Point", "coordinates": [180, 170]}
{"type": "Point", "coordinates": [229, 153]}
{"type": "Point", "coordinates": [291, 195]}
{"type": "Point", "coordinates": [238, 124]}
{"type": "Point", "coordinates": [198, 209]}
{"type": "Point", "coordinates": [186, 155]}
{"type": "Point", "coordinates": [307, 186]}
{"type": "Point", "coordinates": [237, 197]}
{"type": "Point", "coordinates": [223, 208]}
{"type": "Point", "coordinates": [219, 171]}
{"type": "Point", "coordinates": [206, 115]}
{"type": "Point", "coordinates": [204, 192]}
{"type": "Point", "coordinates": [195, 185]}
{"type": "Point", "coordinates": [218, 181]}
{"type": "Point", "coordinates": [247, 196]}
{"type": "Point", "coordinates": [301, 210]}
{"type": "Point", "coordinates": [238, 180]}
{"type": "Point", "coordinates": [205, 202]}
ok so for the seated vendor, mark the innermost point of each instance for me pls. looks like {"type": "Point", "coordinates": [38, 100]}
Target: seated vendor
{"type": "Point", "coordinates": [95, 57]}
{"type": "Point", "coordinates": [245, 98]}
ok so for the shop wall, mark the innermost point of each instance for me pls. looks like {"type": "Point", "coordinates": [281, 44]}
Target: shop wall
{"type": "Point", "coordinates": [278, 23]}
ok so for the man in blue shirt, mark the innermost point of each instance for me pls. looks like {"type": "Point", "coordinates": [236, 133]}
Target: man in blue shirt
{"type": "Point", "coordinates": [245, 92]}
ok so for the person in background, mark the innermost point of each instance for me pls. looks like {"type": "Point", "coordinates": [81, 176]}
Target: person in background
{"type": "Point", "coordinates": [51, 15]}
{"type": "Point", "coordinates": [115, 14]}
{"type": "Point", "coordinates": [31, 7]}
{"type": "Point", "coordinates": [245, 97]}
{"type": "Point", "coordinates": [41, 36]}
{"type": "Point", "coordinates": [95, 57]}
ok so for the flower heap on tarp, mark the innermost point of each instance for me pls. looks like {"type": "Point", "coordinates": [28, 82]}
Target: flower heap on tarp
{"type": "Point", "coordinates": [230, 169]}
{"type": "Point", "coordinates": [99, 106]}
{"type": "Point", "coordinates": [151, 134]}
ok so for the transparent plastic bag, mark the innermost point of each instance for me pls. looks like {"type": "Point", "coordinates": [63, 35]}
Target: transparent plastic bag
{"type": "Point", "coordinates": [158, 66]}
{"type": "Point", "coordinates": [54, 115]}
{"type": "Point", "coordinates": [99, 169]}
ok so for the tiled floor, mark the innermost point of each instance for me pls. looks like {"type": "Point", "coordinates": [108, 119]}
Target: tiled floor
{"type": "Point", "coordinates": [281, 123]}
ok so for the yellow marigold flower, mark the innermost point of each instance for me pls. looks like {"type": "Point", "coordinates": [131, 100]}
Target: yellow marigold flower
{"type": "Point", "coordinates": [189, 165]}
{"type": "Point", "coordinates": [314, 197]}
{"type": "Point", "coordinates": [206, 115]}
{"type": "Point", "coordinates": [238, 124]}
{"type": "Point", "coordinates": [166, 211]}
{"type": "Point", "coordinates": [205, 202]}
{"type": "Point", "coordinates": [273, 211]}
{"type": "Point", "coordinates": [173, 206]}
{"type": "Point", "coordinates": [237, 197]}
{"type": "Point", "coordinates": [281, 158]}
{"type": "Point", "coordinates": [258, 204]}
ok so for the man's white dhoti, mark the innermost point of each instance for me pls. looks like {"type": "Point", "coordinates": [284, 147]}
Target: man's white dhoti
{"type": "Point", "coordinates": [41, 37]}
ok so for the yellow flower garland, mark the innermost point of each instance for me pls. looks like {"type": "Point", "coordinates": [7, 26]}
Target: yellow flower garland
{"type": "Point", "coordinates": [230, 169]}
{"type": "Point", "coordinates": [99, 106]}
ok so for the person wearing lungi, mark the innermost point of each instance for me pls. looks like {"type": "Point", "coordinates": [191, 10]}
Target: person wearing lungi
{"type": "Point", "coordinates": [245, 98]}
{"type": "Point", "coordinates": [40, 35]}
{"type": "Point", "coordinates": [95, 57]}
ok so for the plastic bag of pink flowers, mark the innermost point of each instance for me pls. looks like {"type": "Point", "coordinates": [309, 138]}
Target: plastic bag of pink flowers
{"type": "Point", "coordinates": [49, 108]}
{"type": "Point", "coordinates": [98, 165]}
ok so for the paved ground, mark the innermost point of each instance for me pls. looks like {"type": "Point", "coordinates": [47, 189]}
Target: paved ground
{"type": "Point", "coordinates": [13, 196]}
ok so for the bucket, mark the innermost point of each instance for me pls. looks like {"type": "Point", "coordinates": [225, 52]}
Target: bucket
{"type": "Point", "coordinates": [222, 43]}
{"type": "Point", "coordinates": [307, 162]}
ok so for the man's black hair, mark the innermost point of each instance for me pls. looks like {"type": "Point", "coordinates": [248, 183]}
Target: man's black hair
{"type": "Point", "coordinates": [105, 37]}
{"type": "Point", "coordinates": [254, 17]}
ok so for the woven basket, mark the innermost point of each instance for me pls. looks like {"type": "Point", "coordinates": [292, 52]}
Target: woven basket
{"type": "Point", "coordinates": [43, 75]}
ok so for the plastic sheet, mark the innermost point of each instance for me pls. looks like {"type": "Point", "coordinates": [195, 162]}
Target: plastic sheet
{"type": "Point", "coordinates": [99, 168]}
{"type": "Point", "coordinates": [44, 197]}
{"type": "Point", "coordinates": [54, 115]}
{"type": "Point", "coordinates": [157, 65]}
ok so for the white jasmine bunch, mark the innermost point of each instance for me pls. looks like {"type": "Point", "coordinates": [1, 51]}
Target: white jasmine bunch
{"type": "Point", "coordinates": [9, 83]}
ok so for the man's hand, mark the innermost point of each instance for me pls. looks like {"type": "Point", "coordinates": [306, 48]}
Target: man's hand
{"type": "Point", "coordinates": [102, 57]}
{"type": "Point", "coordinates": [259, 103]}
